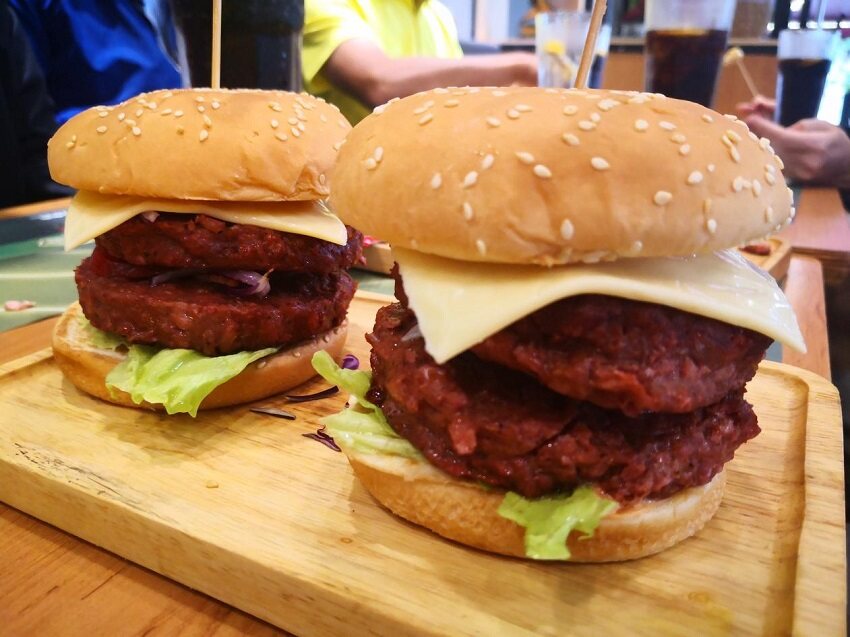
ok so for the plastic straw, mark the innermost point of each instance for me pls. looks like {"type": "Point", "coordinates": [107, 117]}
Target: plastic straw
{"type": "Point", "coordinates": [599, 7]}
{"type": "Point", "coordinates": [215, 67]}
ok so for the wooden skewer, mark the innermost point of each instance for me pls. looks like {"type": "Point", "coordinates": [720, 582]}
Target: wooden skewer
{"type": "Point", "coordinates": [215, 67]}
{"type": "Point", "coordinates": [747, 77]}
{"type": "Point", "coordinates": [596, 16]}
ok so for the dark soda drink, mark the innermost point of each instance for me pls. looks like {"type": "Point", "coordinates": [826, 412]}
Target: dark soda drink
{"type": "Point", "coordinates": [799, 87]}
{"type": "Point", "coordinates": [684, 63]}
{"type": "Point", "coordinates": [260, 42]}
{"type": "Point", "coordinates": [596, 71]}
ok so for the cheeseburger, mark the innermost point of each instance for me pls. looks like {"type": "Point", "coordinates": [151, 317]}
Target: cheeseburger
{"type": "Point", "coordinates": [563, 374]}
{"type": "Point", "coordinates": [217, 269]}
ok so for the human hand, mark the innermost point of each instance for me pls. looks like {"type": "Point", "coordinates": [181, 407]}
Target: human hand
{"type": "Point", "coordinates": [761, 105]}
{"type": "Point", "coordinates": [523, 67]}
{"type": "Point", "coordinates": [813, 151]}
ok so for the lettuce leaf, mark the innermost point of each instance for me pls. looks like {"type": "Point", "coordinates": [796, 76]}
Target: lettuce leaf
{"type": "Point", "coordinates": [178, 379]}
{"type": "Point", "coordinates": [363, 426]}
{"type": "Point", "coordinates": [99, 338]}
{"type": "Point", "coordinates": [549, 521]}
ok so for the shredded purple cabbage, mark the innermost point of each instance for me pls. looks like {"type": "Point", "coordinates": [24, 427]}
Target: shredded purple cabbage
{"type": "Point", "coordinates": [325, 439]}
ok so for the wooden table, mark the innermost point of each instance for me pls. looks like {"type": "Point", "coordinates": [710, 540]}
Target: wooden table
{"type": "Point", "coordinates": [53, 583]}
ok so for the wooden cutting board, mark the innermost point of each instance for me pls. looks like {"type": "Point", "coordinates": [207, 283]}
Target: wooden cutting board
{"type": "Point", "coordinates": [247, 509]}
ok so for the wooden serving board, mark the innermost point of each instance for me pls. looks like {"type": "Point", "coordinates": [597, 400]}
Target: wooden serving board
{"type": "Point", "coordinates": [245, 508]}
{"type": "Point", "coordinates": [379, 258]}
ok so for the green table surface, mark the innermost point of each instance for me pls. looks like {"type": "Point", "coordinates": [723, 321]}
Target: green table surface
{"type": "Point", "coordinates": [41, 271]}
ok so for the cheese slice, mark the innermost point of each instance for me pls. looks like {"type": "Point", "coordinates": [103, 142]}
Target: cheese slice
{"type": "Point", "coordinates": [91, 214]}
{"type": "Point", "coordinates": [459, 303]}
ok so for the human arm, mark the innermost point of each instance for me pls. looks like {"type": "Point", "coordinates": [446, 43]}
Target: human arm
{"type": "Point", "coordinates": [359, 67]}
{"type": "Point", "coordinates": [813, 151]}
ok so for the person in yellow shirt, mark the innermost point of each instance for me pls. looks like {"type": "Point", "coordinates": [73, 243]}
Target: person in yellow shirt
{"type": "Point", "coordinates": [361, 53]}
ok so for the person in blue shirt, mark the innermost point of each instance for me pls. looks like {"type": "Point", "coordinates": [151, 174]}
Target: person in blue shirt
{"type": "Point", "coordinates": [99, 51]}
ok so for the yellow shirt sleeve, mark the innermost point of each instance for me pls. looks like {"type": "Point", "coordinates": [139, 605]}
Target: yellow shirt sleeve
{"type": "Point", "coordinates": [327, 24]}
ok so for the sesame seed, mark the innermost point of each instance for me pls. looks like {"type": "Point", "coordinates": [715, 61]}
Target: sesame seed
{"type": "Point", "coordinates": [638, 99]}
{"type": "Point", "coordinates": [101, 129]}
{"type": "Point", "coordinates": [167, 111]}
{"type": "Point", "coordinates": [482, 247]}
{"type": "Point", "coordinates": [595, 118]}
{"type": "Point", "coordinates": [429, 103]}
{"type": "Point", "coordinates": [322, 118]}
{"type": "Point", "coordinates": [607, 104]}
{"type": "Point", "coordinates": [379, 154]}
{"type": "Point", "coordinates": [151, 106]}
{"type": "Point", "coordinates": [542, 171]}
{"type": "Point", "coordinates": [295, 132]}
{"type": "Point", "coordinates": [769, 178]}
{"type": "Point", "coordinates": [764, 143]}
{"type": "Point", "coordinates": [525, 158]}
{"type": "Point", "coordinates": [137, 131]}
{"type": "Point", "coordinates": [281, 137]}
{"type": "Point", "coordinates": [470, 179]}
{"type": "Point", "coordinates": [599, 163]}
{"type": "Point", "coordinates": [427, 117]}
{"type": "Point", "coordinates": [662, 198]}
{"type": "Point", "coordinates": [711, 226]}
{"type": "Point", "coordinates": [567, 229]}
{"type": "Point", "coordinates": [130, 122]}
{"type": "Point", "coordinates": [711, 168]}
{"type": "Point", "coordinates": [292, 121]}
{"type": "Point", "coordinates": [513, 114]}
{"type": "Point", "coordinates": [694, 178]}
{"type": "Point", "coordinates": [370, 163]}
{"type": "Point", "coordinates": [487, 162]}
{"type": "Point", "coordinates": [441, 91]}
{"type": "Point", "coordinates": [736, 156]}
{"type": "Point", "coordinates": [641, 125]}
{"type": "Point", "coordinates": [121, 117]}
{"type": "Point", "coordinates": [276, 107]}
{"type": "Point", "coordinates": [779, 162]}
{"type": "Point", "coordinates": [726, 141]}
{"type": "Point", "coordinates": [178, 113]}
{"type": "Point", "coordinates": [499, 93]}
{"type": "Point", "coordinates": [738, 184]}
{"type": "Point", "coordinates": [301, 126]}
{"type": "Point", "coordinates": [706, 206]}
{"type": "Point", "coordinates": [730, 116]}
{"type": "Point", "coordinates": [451, 103]}
{"type": "Point", "coordinates": [103, 113]}
{"type": "Point", "coordinates": [768, 214]}
{"type": "Point", "coordinates": [301, 116]}
{"type": "Point", "coordinates": [678, 138]}
{"type": "Point", "coordinates": [140, 112]}
{"type": "Point", "coordinates": [467, 211]}
{"type": "Point", "coordinates": [586, 125]}
{"type": "Point", "coordinates": [494, 122]}
{"type": "Point", "coordinates": [684, 149]}
{"type": "Point", "coordinates": [339, 144]}
{"type": "Point", "coordinates": [756, 188]}
{"type": "Point", "coordinates": [207, 121]}
{"type": "Point", "coordinates": [735, 137]}
{"type": "Point", "coordinates": [201, 109]}
{"type": "Point", "coordinates": [668, 126]}
{"type": "Point", "coordinates": [199, 98]}
{"type": "Point", "coordinates": [769, 168]}
{"type": "Point", "coordinates": [523, 108]}
{"type": "Point", "coordinates": [436, 181]}
{"type": "Point", "coordinates": [420, 110]}
{"type": "Point", "coordinates": [707, 118]}
{"type": "Point", "coordinates": [216, 105]}
{"type": "Point", "coordinates": [571, 139]}
{"type": "Point", "coordinates": [570, 109]}
{"type": "Point", "coordinates": [204, 135]}
{"type": "Point", "coordinates": [274, 123]}
{"type": "Point", "coordinates": [69, 144]}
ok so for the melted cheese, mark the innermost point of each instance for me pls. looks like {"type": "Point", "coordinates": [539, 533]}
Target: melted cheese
{"type": "Point", "coordinates": [459, 304]}
{"type": "Point", "coordinates": [91, 214]}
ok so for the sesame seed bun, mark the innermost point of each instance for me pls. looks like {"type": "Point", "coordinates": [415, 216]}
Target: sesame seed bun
{"type": "Point", "coordinates": [468, 514]}
{"type": "Point", "coordinates": [86, 366]}
{"type": "Point", "coordinates": [545, 176]}
{"type": "Point", "coordinates": [236, 145]}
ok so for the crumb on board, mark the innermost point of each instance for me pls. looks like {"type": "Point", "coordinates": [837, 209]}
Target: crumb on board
{"type": "Point", "coordinates": [211, 484]}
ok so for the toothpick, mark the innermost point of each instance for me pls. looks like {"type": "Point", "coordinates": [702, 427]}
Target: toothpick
{"type": "Point", "coordinates": [747, 77]}
{"type": "Point", "coordinates": [215, 79]}
{"type": "Point", "coordinates": [596, 16]}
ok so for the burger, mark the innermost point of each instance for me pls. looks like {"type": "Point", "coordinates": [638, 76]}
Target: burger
{"type": "Point", "coordinates": [217, 270]}
{"type": "Point", "coordinates": [563, 374]}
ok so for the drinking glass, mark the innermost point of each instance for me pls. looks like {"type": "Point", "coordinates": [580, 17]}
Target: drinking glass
{"type": "Point", "coordinates": [804, 60]}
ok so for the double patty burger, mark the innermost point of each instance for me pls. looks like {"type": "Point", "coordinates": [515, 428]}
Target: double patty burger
{"type": "Point", "coordinates": [216, 266]}
{"type": "Point", "coordinates": [572, 339]}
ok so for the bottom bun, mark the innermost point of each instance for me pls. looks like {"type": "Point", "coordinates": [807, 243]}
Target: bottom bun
{"type": "Point", "coordinates": [87, 366]}
{"type": "Point", "coordinates": [468, 514]}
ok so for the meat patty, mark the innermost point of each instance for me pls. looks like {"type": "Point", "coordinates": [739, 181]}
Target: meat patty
{"type": "Point", "coordinates": [198, 315]}
{"type": "Point", "coordinates": [627, 355]}
{"type": "Point", "coordinates": [199, 241]}
{"type": "Point", "coordinates": [482, 422]}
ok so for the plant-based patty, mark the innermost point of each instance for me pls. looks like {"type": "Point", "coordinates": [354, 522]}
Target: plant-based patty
{"type": "Point", "coordinates": [480, 421]}
{"type": "Point", "coordinates": [198, 315]}
{"type": "Point", "coordinates": [200, 241]}
{"type": "Point", "coordinates": [628, 355]}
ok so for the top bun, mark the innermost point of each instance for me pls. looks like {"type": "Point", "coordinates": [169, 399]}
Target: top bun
{"type": "Point", "coordinates": [234, 145]}
{"type": "Point", "coordinates": [546, 176]}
